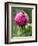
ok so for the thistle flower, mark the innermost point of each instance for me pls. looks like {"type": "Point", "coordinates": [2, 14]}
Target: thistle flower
{"type": "Point", "coordinates": [21, 18]}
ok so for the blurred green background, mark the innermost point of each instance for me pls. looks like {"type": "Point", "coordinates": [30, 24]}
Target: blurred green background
{"type": "Point", "coordinates": [16, 30]}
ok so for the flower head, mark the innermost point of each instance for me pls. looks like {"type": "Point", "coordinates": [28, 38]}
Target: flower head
{"type": "Point", "coordinates": [21, 18]}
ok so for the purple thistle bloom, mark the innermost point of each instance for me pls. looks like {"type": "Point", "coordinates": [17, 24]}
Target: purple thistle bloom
{"type": "Point", "coordinates": [21, 18]}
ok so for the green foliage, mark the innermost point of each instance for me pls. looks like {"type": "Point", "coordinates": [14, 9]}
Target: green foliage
{"type": "Point", "coordinates": [16, 30]}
